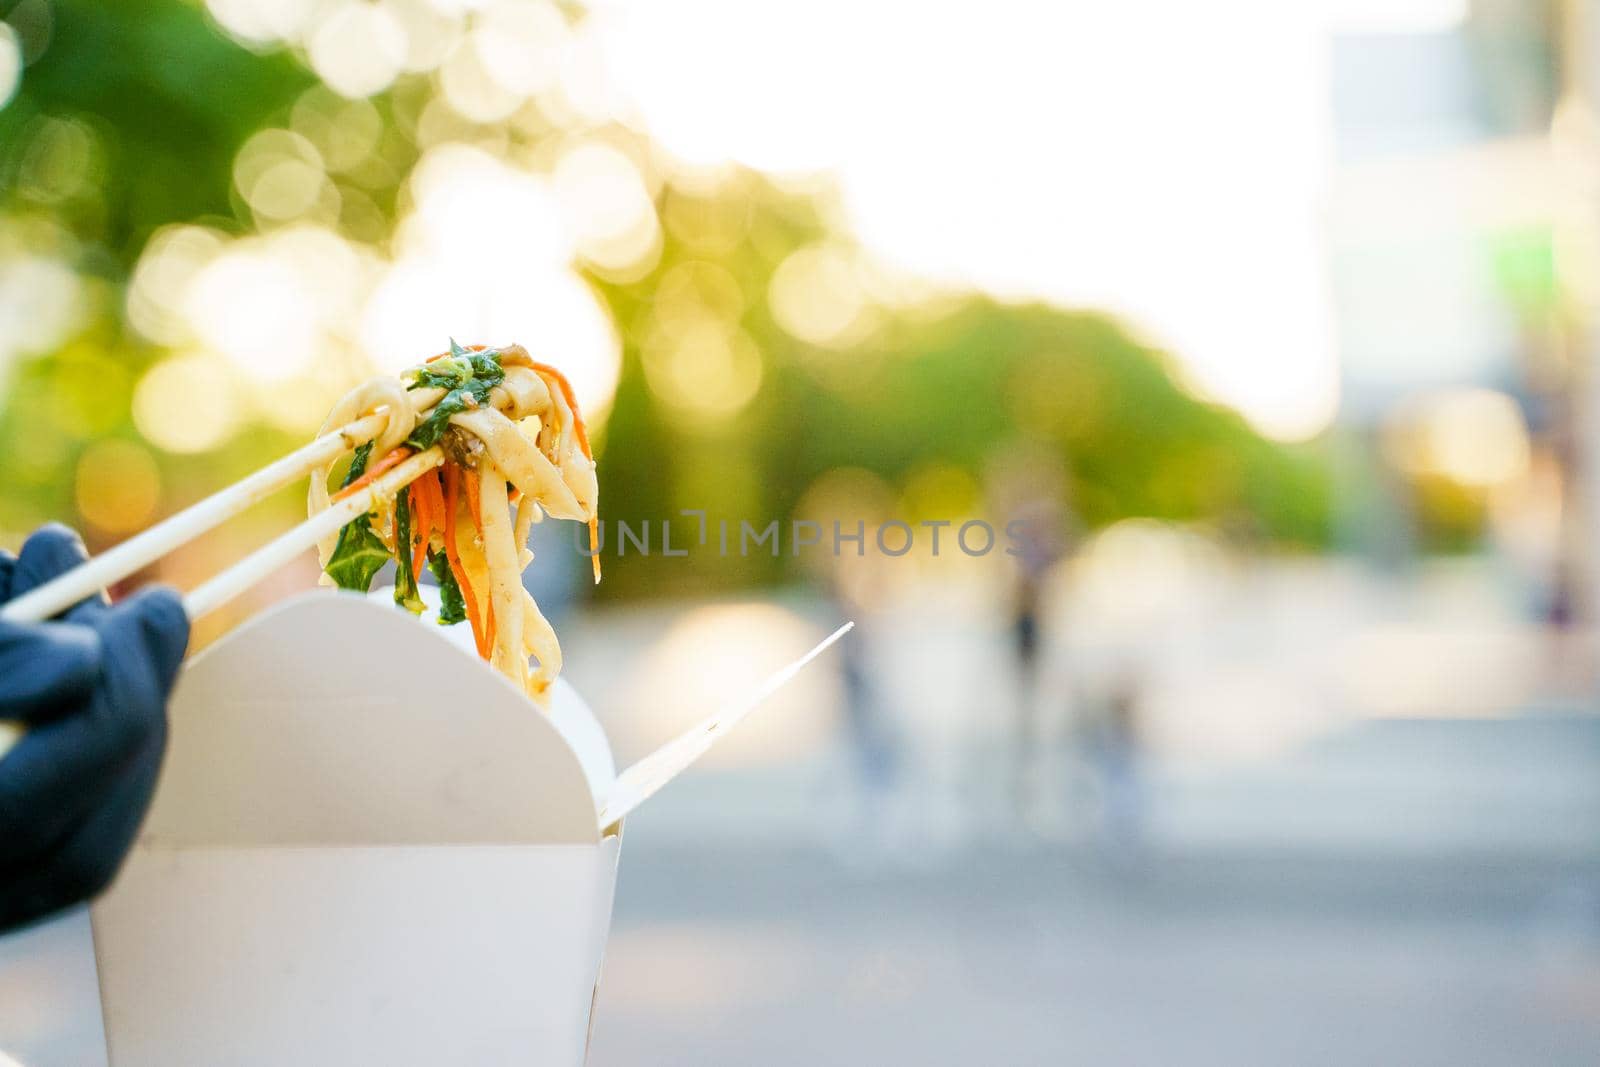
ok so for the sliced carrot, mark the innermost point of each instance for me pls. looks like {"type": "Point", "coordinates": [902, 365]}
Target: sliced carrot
{"type": "Point", "coordinates": [578, 428]}
{"type": "Point", "coordinates": [581, 432]}
{"type": "Point", "coordinates": [373, 471]}
{"type": "Point", "coordinates": [419, 528]}
{"type": "Point", "coordinates": [474, 487]}
{"type": "Point", "coordinates": [432, 501]}
{"type": "Point", "coordinates": [429, 502]}
{"type": "Point", "coordinates": [594, 548]}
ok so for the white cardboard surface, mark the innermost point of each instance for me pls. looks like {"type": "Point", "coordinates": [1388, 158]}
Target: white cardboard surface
{"type": "Point", "coordinates": [437, 955]}
{"type": "Point", "coordinates": [365, 848]}
{"type": "Point", "coordinates": [332, 719]}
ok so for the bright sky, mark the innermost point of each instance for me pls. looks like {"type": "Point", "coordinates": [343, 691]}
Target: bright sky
{"type": "Point", "coordinates": [1166, 160]}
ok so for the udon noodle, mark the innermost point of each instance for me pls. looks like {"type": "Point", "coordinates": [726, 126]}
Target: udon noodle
{"type": "Point", "coordinates": [514, 449]}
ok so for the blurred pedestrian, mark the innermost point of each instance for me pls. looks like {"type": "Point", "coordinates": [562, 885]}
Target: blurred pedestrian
{"type": "Point", "coordinates": [1118, 760]}
{"type": "Point", "coordinates": [853, 585]}
{"type": "Point", "coordinates": [1042, 543]}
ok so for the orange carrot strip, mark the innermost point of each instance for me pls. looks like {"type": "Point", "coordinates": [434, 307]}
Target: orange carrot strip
{"type": "Point", "coordinates": [582, 433]}
{"type": "Point", "coordinates": [578, 428]}
{"type": "Point", "coordinates": [594, 548]}
{"type": "Point", "coordinates": [427, 488]}
{"type": "Point", "coordinates": [419, 528]}
{"type": "Point", "coordinates": [372, 472]}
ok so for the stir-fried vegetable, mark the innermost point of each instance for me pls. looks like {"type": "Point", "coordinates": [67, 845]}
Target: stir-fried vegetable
{"type": "Point", "coordinates": [508, 438]}
{"type": "Point", "coordinates": [405, 579]}
{"type": "Point", "coordinates": [467, 375]}
{"type": "Point", "coordinates": [360, 553]}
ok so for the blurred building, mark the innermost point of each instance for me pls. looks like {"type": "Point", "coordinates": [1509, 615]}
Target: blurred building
{"type": "Point", "coordinates": [1441, 234]}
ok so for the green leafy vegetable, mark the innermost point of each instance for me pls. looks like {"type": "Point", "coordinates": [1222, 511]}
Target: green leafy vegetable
{"type": "Point", "coordinates": [358, 557]}
{"type": "Point", "coordinates": [405, 581]}
{"type": "Point", "coordinates": [358, 464]}
{"type": "Point", "coordinates": [468, 377]}
{"type": "Point", "coordinates": [360, 554]}
{"type": "Point", "coordinates": [452, 605]}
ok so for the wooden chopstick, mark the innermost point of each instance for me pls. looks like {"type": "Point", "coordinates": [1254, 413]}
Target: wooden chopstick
{"type": "Point", "coordinates": [144, 548]}
{"type": "Point", "coordinates": [222, 588]}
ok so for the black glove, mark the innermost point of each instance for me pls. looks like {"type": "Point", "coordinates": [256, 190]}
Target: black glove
{"type": "Point", "coordinates": [91, 688]}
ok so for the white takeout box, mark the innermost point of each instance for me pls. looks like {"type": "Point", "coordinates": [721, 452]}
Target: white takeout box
{"type": "Point", "coordinates": [365, 848]}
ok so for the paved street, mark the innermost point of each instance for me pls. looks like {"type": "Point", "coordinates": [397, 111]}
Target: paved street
{"type": "Point", "coordinates": [768, 956]}
{"type": "Point", "coordinates": [1374, 889]}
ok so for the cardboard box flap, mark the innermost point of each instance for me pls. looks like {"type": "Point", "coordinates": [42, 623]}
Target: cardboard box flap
{"type": "Point", "coordinates": [334, 720]}
{"type": "Point", "coordinates": [645, 778]}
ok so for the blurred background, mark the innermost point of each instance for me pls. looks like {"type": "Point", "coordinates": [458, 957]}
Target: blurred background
{"type": "Point", "coordinates": [1274, 325]}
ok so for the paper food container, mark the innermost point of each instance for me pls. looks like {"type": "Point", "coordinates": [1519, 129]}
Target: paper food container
{"type": "Point", "coordinates": [366, 848]}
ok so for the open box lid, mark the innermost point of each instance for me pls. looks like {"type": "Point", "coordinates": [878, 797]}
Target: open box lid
{"type": "Point", "coordinates": [334, 719]}
{"type": "Point", "coordinates": [331, 719]}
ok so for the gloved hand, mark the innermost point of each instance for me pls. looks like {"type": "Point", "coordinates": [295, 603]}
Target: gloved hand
{"type": "Point", "coordinates": [92, 688]}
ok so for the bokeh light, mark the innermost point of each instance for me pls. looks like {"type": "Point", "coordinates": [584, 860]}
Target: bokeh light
{"type": "Point", "coordinates": [1475, 437]}
{"type": "Point", "coordinates": [186, 404]}
{"type": "Point", "coordinates": [431, 30]}
{"type": "Point", "coordinates": [358, 48]}
{"type": "Point", "coordinates": [255, 309]}
{"type": "Point", "coordinates": [471, 90]}
{"type": "Point", "coordinates": [343, 133]}
{"type": "Point", "coordinates": [171, 259]}
{"type": "Point", "coordinates": [41, 303]}
{"type": "Point", "coordinates": [695, 354]}
{"type": "Point", "coordinates": [10, 63]}
{"type": "Point", "coordinates": [280, 175]}
{"type": "Point", "coordinates": [62, 161]}
{"type": "Point", "coordinates": [609, 207]}
{"type": "Point", "coordinates": [520, 44]}
{"type": "Point", "coordinates": [817, 296]}
{"type": "Point", "coordinates": [117, 486]}
{"type": "Point", "coordinates": [486, 256]}
{"type": "Point", "coordinates": [708, 369]}
{"type": "Point", "coordinates": [259, 22]}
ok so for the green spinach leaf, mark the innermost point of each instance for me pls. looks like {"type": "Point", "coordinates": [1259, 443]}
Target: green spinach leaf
{"type": "Point", "coordinates": [359, 554]}
{"type": "Point", "coordinates": [467, 377]}
{"type": "Point", "coordinates": [405, 581]}
{"type": "Point", "coordinates": [452, 605]}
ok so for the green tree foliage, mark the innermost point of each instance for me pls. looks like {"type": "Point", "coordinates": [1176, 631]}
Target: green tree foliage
{"type": "Point", "coordinates": [165, 101]}
{"type": "Point", "coordinates": [131, 119]}
{"type": "Point", "coordinates": [955, 387]}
